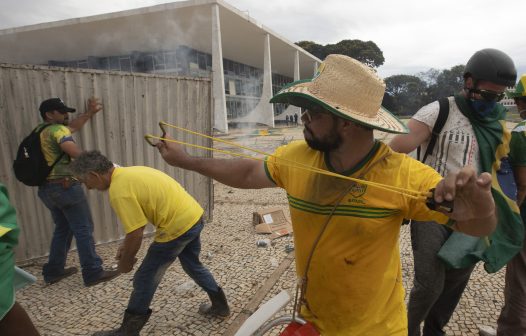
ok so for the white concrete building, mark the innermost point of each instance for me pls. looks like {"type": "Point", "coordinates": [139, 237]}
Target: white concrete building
{"type": "Point", "coordinates": [247, 62]}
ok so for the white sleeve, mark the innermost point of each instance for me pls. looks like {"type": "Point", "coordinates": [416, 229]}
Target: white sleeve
{"type": "Point", "coordinates": [428, 114]}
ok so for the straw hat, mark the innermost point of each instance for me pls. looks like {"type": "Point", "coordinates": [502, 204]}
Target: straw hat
{"type": "Point", "coordinates": [347, 88]}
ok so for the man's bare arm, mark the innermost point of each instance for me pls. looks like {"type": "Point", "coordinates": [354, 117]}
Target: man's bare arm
{"type": "Point", "coordinates": [128, 250]}
{"type": "Point", "coordinates": [519, 172]}
{"type": "Point", "coordinates": [406, 143]}
{"type": "Point", "coordinates": [237, 173]}
{"type": "Point", "coordinates": [93, 106]}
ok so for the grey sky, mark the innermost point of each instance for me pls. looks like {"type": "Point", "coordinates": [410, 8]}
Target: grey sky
{"type": "Point", "coordinates": [414, 35]}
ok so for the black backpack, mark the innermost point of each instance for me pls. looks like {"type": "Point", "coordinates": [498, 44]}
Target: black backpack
{"type": "Point", "coordinates": [443, 113]}
{"type": "Point", "coordinates": [30, 165]}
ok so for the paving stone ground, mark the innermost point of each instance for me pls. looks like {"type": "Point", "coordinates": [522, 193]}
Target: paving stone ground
{"type": "Point", "coordinates": [229, 250]}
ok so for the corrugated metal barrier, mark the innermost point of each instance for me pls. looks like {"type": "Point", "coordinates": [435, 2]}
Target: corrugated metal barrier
{"type": "Point", "coordinates": [133, 105]}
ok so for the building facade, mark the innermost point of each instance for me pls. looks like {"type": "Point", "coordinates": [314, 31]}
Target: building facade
{"type": "Point", "coordinates": [246, 61]}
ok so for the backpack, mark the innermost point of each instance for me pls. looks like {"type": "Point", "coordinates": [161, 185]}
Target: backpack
{"type": "Point", "coordinates": [443, 113]}
{"type": "Point", "coordinates": [30, 165]}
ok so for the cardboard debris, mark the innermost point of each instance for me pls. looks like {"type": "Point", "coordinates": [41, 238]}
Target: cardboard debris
{"type": "Point", "coordinates": [272, 221]}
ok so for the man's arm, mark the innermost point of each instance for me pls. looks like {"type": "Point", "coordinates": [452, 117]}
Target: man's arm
{"type": "Point", "coordinates": [94, 106]}
{"type": "Point", "coordinates": [519, 172]}
{"type": "Point", "coordinates": [419, 132]}
{"type": "Point", "coordinates": [128, 250]}
{"type": "Point", "coordinates": [473, 205]}
{"type": "Point", "coordinates": [71, 148]}
{"type": "Point", "coordinates": [237, 173]}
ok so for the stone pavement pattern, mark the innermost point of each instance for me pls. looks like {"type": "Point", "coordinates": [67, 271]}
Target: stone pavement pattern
{"type": "Point", "coordinates": [230, 251]}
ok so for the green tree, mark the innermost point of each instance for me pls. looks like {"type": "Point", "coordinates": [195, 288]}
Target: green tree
{"type": "Point", "coordinates": [406, 94]}
{"type": "Point", "coordinates": [366, 52]}
{"type": "Point", "coordinates": [316, 49]}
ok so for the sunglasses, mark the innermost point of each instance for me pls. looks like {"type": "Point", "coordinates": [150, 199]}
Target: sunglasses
{"type": "Point", "coordinates": [488, 95]}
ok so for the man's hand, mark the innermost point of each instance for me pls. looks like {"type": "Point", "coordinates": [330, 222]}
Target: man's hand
{"type": "Point", "coordinates": [126, 266]}
{"type": "Point", "coordinates": [473, 204]}
{"type": "Point", "coordinates": [119, 252]}
{"type": "Point", "coordinates": [94, 106]}
{"type": "Point", "coordinates": [173, 153]}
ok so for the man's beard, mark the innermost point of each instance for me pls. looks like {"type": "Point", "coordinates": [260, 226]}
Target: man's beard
{"type": "Point", "coordinates": [326, 144]}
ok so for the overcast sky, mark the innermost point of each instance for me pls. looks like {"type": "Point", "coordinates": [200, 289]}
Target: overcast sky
{"type": "Point", "coordinates": [414, 35]}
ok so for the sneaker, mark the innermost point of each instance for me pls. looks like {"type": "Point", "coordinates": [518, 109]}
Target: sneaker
{"type": "Point", "coordinates": [54, 279]}
{"type": "Point", "coordinates": [104, 276]}
{"type": "Point", "coordinates": [487, 331]}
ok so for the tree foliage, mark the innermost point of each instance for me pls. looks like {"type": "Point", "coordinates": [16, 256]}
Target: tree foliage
{"type": "Point", "coordinates": [405, 94]}
{"type": "Point", "coordinates": [364, 51]}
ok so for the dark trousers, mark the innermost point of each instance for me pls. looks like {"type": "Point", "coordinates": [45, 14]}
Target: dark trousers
{"type": "Point", "coordinates": [436, 289]}
{"type": "Point", "coordinates": [159, 257]}
{"type": "Point", "coordinates": [72, 216]}
{"type": "Point", "coordinates": [512, 320]}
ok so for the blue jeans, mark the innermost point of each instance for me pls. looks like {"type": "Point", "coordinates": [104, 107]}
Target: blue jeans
{"type": "Point", "coordinates": [72, 216]}
{"type": "Point", "coordinates": [159, 257]}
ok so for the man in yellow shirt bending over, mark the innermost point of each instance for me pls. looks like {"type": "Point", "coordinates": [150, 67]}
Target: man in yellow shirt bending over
{"type": "Point", "coordinates": [142, 195]}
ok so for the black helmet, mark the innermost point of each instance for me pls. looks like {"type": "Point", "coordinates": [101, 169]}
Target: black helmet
{"type": "Point", "coordinates": [491, 65]}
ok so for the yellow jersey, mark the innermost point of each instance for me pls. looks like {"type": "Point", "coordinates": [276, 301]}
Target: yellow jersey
{"type": "Point", "coordinates": [354, 283]}
{"type": "Point", "coordinates": [141, 195]}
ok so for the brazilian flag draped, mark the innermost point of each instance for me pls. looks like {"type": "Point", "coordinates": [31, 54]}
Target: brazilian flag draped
{"type": "Point", "coordinates": [8, 241]}
{"type": "Point", "coordinates": [495, 251]}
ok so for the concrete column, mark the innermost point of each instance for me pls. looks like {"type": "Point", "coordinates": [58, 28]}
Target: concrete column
{"type": "Point", "coordinates": [263, 113]}
{"type": "Point", "coordinates": [218, 81]}
{"type": "Point", "coordinates": [292, 110]}
{"type": "Point", "coordinates": [267, 109]}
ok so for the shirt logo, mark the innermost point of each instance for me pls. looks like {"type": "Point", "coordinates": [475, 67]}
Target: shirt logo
{"type": "Point", "coordinates": [357, 190]}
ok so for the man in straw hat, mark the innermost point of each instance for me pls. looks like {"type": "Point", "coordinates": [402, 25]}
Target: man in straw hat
{"type": "Point", "coordinates": [512, 319]}
{"type": "Point", "coordinates": [473, 134]}
{"type": "Point", "coordinates": [346, 232]}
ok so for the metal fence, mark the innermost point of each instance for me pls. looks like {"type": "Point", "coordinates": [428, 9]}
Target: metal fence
{"type": "Point", "coordinates": [133, 105]}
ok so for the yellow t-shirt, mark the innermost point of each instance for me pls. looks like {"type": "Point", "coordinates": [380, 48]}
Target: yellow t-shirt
{"type": "Point", "coordinates": [141, 195]}
{"type": "Point", "coordinates": [354, 279]}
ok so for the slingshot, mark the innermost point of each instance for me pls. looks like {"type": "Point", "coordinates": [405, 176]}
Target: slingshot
{"type": "Point", "coordinates": [414, 194]}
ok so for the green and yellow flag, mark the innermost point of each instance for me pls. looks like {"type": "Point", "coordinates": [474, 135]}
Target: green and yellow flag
{"type": "Point", "coordinates": [8, 241]}
{"type": "Point", "coordinates": [505, 242]}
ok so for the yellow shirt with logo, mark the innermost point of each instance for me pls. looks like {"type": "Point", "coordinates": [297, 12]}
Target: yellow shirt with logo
{"type": "Point", "coordinates": [141, 195]}
{"type": "Point", "coordinates": [354, 282]}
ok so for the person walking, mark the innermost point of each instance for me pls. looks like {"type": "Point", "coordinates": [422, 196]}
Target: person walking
{"type": "Point", "coordinates": [63, 195]}
{"type": "Point", "coordinates": [141, 195]}
{"type": "Point", "coordinates": [472, 135]}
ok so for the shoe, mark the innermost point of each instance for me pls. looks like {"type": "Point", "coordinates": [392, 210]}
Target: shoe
{"type": "Point", "coordinates": [487, 331]}
{"type": "Point", "coordinates": [67, 272]}
{"type": "Point", "coordinates": [218, 306]}
{"type": "Point", "coordinates": [104, 276]}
